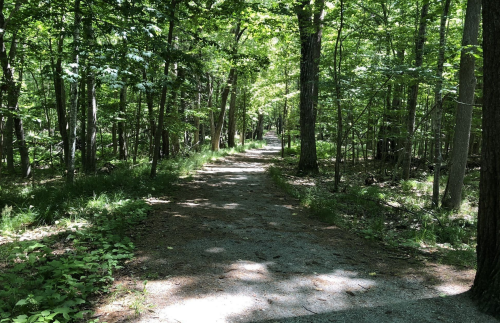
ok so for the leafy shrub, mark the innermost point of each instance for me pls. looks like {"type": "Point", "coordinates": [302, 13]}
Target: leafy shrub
{"type": "Point", "coordinates": [39, 286]}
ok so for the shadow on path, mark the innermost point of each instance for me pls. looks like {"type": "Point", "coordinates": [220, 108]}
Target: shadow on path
{"type": "Point", "coordinates": [229, 246]}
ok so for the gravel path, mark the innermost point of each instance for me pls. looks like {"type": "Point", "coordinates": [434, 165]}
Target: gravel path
{"type": "Point", "coordinates": [229, 246]}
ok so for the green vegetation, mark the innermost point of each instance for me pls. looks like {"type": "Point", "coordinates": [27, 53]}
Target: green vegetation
{"type": "Point", "coordinates": [52, 279]}
{"type": "Point", "coordinates": [396, 213]}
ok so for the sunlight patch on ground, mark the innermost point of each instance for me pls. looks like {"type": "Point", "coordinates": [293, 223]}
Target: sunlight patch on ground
{"type": "Point", "coordinates": [180, 216]}
{"type": "Point", "coordinates": [215, 250]}
{"type": "Point", "coordinates": [230, 170]}
{"type": "Point", "coordinates": [43, 231]}
{"type": "Point", "coordinates": [190, 204]}
{"type": "Point", "coordinates": [153, 200]}
{"type": "Point", "coordinates": [208, 309]}
{"type": "Point", "coordinates": [231, 206]}
{"type": "Point", "coordinates": [451, 289]}
{"type": "Point", "coordinates": [248, 289]}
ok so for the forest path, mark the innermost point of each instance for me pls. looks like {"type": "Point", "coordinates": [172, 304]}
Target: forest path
{"type": "Point", "coordinates": [229, 246]}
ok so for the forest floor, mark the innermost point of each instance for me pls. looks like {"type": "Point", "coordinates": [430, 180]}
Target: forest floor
{"type": "Point", "coordinates": [227, 245]}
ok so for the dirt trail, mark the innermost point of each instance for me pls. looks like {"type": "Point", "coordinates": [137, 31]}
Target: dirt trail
{"type": "Point", "coordinates": [229, 246]}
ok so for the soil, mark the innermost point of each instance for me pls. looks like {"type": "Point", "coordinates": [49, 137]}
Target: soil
{"type": "Point", "coordinates": [227, 245]}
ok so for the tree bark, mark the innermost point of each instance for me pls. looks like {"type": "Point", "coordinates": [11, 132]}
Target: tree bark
{"type": "Point", "coordinates": [122, 140]}
{"type": "Point", "coordinates": [196, 139]}
{"type": "Point", "coordinates": [244, 127]}
{"type": "Point", "coordinates": [222, 112]}
{"type": "Point", "coordinates": [285, 113]}
{"type": "Point", "coordinates": [439, 105]}
{"type": "Point", "coordinates": [337, 56]}
{"type": "Point", "coordinates": [260, 126]}
{"type": "Point", "coordinates": [467, 86]}
{"type": "Point", "coordinates": [149, 103]}
{"type": "Point", "coordinates": [74, 96]}
{"type": "Point", "coordinates": [13, 87]}
{"type": "Point", "coordinates": [310, 20]}
{"type": "Point", "coordinates": [225, 92]}
{"type": "Point", "coordinates": [231, 131]}
{"type": "Point", "coordinates": [413, 95]}
{"type": "Point", "coordinates": [163, 98]}
{"type": "Point", "coordinates": [1, 132]}
{"type": "Point", "coordinates": [8, 140]}
{"type": "Point", "coordinates": [91, 144]}
{"type": "Point", "coordinates": [137, 127]}
{"type": "Point", "coordinates": [486, 288]}
{"type": "Point", "coordinates": [60, 94]}
{"type": "Point", "coordinates": [83, 118]}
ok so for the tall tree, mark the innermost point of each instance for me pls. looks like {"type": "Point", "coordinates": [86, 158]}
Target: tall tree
{"type": "Point", "coordinates": [467, 86]}
{"type": "Point", "coordinates": [337, 63]}
{"type": "Point", "coordinates": [310, 19]}
{"type": "Point", "coordinates": [486, 288]}
{"type": "Point", "coordinates": [231, 131]}
{"type": "Point", "coordinates": [238, 32]}
{"type": "Point", "coordinates": [439, 103]}
{"type": "Point", "coordinates": [122, 140]}
{"type": "Point", "coordinates": [413, 95]}
{"type": "Point", "coordinates": [74, 94]}
{"type": "Point", "coordinates": [13, 86]}
{"type": "Point", "coordinates": [196, 138]}
{"type": "Point", "coordinates": [163, 97]}
{"type": "Point", "coordinates": [91, 142]}
{"type": "Point", "coordinates": [1, 130]}
{"type": "Point", "coordinates": [59, 89]}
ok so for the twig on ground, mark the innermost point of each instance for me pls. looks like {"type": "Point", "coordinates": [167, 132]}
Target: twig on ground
{"type": "Point", "coordinates": [309, 310]}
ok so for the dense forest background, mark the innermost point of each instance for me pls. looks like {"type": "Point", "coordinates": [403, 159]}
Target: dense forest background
{"type": "Point", "coordinates": [122, 96]}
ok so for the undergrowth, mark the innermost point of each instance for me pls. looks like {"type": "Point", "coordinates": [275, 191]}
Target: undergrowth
{"type": "Point", "coordinates": [52, 280]}
{"type": "Point", "coordinates": [40, 283]}
{"type": "Point", "coordinates": [397, 214]}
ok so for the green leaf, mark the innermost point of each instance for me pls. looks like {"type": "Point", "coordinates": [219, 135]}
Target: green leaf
{"type": "Point", "coordinates": [20, 319]}
{"type": "Point", "coordinates": [22, 302]}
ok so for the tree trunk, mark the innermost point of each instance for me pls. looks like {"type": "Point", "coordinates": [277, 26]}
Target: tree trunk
{"type": "Point", "coordinates": [260, 126]}
{"type": "Point", "coordinates": [137, 127]}
{"type": "Point", "coordinates": [337, 62]}
{"type": "Point", "coordinates": [244, 117]}
{"type": "Point", "coordinates": [196, 139]}
{"type": "Point", "coordinates": [285, 112]}
{"type": "Point", "coordinates": [74, 96]}
{"type": "Point", "coordinates": [165, 148]}
{"type": "Point", "coordinates": [310, 20]}
{"type": "Point", "coordinates": [413, 95]}
{"type": "Point", "coordinates": [151, 118]}
{"type": "Point", "coordinates": [122, 141]}
{"type": "Point", "coordinates": [60, 94]}
{"type": "Point", "coordinates": [486, 288]}
{"type": "Point", "coordinates": [114, 139]}
{"type": "Point", "coordinates": [163, 98]}
{"type": "Point", "coordinates": [8, 140]}
{"type": "Point", "coordinates": [220, 119]}
{"type": "Point", "coordinates": [83, 118]}
{"type": "Point", "coordinates": [439, 105]}
{"type": "Point", "coordinates": [231, 131]}
{"type": "Point", "coordinates": [1, 133]}
{"type": "Point", "coordinates": [91, 143]}
{"type": "Point", "coordinates": [467, 86]}
{"type": "Point", "coordinates": [13, 89]}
